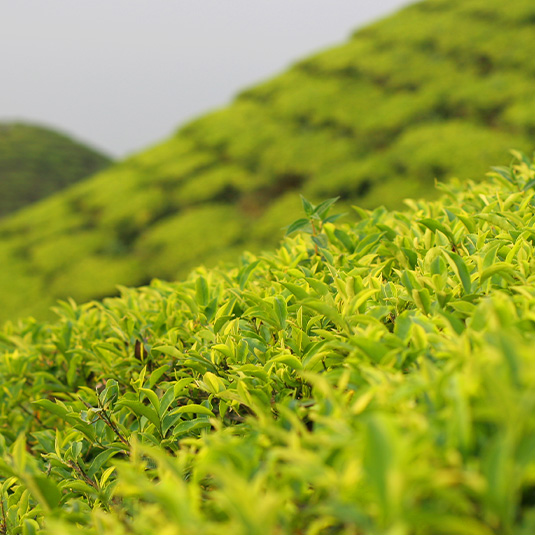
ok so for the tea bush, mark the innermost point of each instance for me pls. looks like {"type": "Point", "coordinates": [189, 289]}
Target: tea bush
{"type": "Point", "coordinates": [406, 100]}
{"type": "Point", "coordinates": [374, 377]}
{"type": "Point", "coordinates": [36, 162]}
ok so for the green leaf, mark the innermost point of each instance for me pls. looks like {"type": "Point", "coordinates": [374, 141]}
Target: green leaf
{"type": "Point", "coordinates": [502, 268]}
{"type": "Point", "coordinates": [80, 486]}
{"type": "Point", "coordinates": [460, 269]}
{"type": "Point", "coordinates": [156, 375]}
{"type": "Point", "coordinates": [19, 453]}
{"type": "Point", "coordinates": [319, 287]}
{"type": "Point", "coordinates": [101, 459]}
{"type": "Point", "coordinates": [321, 241]}
{"type": "Point", "coordinates": [457, 325]}
{"type": "Point", "coordinates": [497, 220]}
{"type": "Point", "coordinates": [73, 369]}
{"type": "Point", "coordinates": [297, 225]}
{"type": "Point", "coordinates": [468, 222]}
{"type": "Point", "coordinates": [490, 256]}
{"type": "Point", "coordinates": [167, 399]}
{"type": "Point", "coordinates": [434, 225]}
{"type": "Point", "coordinates": [47, 490]}
{"type": "Point", "coordinates": [412, 257]}
{"type": "Point", "coordinates": [52, 407]}
{"type": "Point", "coordinates": [106, 475]}
{"type": "Point", "coordinates": [323, 208]}
{"type": "Point", "coordinates": [410, 281]}
{"type": "Point", "coordinates": [422, 299]}
{"type": "Point", "coordinates": [281, 310]}
{"type": "Point", "coordinates": [180, 386]}
{"type": "Point", "coordinates": [213, 382]}
{"type": "Point", "coordinates": [189, 426]}
{"type": "Point", "coordinates": [290, 361]}
{"type": "Point", "coordinates": [153, 398]}
{"type": "Point", "coordinates": [465, 308]}
{"type": "Point", "coordinates": [298, 291]}
{"type": "Point", "coordinates": [307, 207]}
{"type": "Point", "coordinates": [445, 524]}
{"type": "Point", "coordinates": [141, 410]}
{"type": "Point", "coordinates": [30, 527]}
{"type": "Point", "coordinates": [329, 312]}
{"type": "Point", "coordinates": [374, 350]}
{"type": "Point", "coordinates": [363, 296]}
{"type": "Point", "coordinates": [388, 231]}
{"type": "Point", "coordinates": [379, 459]}
{"type": "Point", "coordinates": [224, 349]}
{"type": "Point", "coordinates": [246, 271]}
{"type": "Point", "coordinates": [334, 217]}
{"type": "Point", "coordinates": [169, 350]}
{"type": "Point", "coordinates": [168, 421]}
{"type": "Point", "coordinates": [504, 172]}
{"type": "Point", "coordinates": [520, 156]}
{"type": "Point", "coordinates": [202, 292]}
{"type": "Point", "coordinates": [344, 239]}
{"type": "Point", "coordinates": [192, 408]}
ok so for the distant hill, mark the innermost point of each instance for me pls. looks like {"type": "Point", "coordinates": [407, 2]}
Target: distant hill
{"type": "Point", "coordinates": [36, 162]}
{"type": "Point", "coordinates": [438, 89]}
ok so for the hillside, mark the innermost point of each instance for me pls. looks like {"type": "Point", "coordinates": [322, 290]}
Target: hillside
{"type": "Point", "coordinates": [36, 162]}
{"type": "Point", "coordinates": [409, 99]}
{"type": "Point", "coordinates": [375, 378]}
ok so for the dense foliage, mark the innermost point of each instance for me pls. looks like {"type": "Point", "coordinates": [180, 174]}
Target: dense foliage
{"type": "Point", "coordinates": [373, 378]}
{"type": "Point", "coordinates": [36, 162]}
{"type": "Point", "coordinates": [408, 99]}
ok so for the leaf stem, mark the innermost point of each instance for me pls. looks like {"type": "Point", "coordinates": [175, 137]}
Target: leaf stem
{"type": "Point", "coordinates": [103, 415]}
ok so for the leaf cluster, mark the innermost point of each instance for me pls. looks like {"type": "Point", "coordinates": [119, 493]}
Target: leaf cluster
{"type": "Point", "coordinates": [381, 384]}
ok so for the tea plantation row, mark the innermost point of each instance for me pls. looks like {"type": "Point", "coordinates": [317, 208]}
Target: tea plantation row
{"type": "Point", "coordinates": [373, 378]}
{"type": "Point", "coordinates": [375, 120]}
{"type": "Point", "coordinates": [35, 162]}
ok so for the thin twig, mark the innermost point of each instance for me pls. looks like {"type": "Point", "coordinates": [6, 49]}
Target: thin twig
{"type": "Point", "coordinates": [33, 414]}
{"type": "Point", "coordinates": [76, 466]}
{"type": "Point", "coordinates": [314, 234]}
{"type": "Point", "coordinates": [103, 415]}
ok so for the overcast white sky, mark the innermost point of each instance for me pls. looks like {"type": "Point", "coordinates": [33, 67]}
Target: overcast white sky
{"type": "Point", "coordinates": [123, 74]}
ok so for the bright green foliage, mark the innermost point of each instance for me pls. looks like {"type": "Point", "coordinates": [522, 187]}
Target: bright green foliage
{"type": "Point", "coordinates": [411, 98]}
{"type": "Point", "coordinates": [378, 380]}
{"type": "Point", "coordinates": [36, 162]}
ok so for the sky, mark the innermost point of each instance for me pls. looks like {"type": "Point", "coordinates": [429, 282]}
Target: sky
{"type": "Point", "coordinates": [120, 75]}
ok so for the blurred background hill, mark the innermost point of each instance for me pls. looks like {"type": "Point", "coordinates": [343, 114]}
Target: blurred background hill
{"type": "Point", "coordinates": [439, 89]}
{"type": "Point", "coordinates": [36, 161]}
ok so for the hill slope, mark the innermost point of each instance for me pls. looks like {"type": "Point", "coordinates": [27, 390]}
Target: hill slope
{"type": "Point", "coordinates": [36, 162]}
{"type": "Point", "coordinates": [408, 99]}
{"type": "Point", "coordinates": [378, 380]}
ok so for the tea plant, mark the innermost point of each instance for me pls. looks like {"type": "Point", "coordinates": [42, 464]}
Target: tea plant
{"type": "Point", "coordinates": [313, 223]}
{"type": "Point", "coordinates": [374, 120]}
{"type": "Point", "coordinates": [36, 162]}
{"type": "Point", "coordinates": [384, 385]}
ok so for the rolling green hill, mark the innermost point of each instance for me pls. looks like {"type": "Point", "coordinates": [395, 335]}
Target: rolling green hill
{"type": "Point", "coordinates": [36, 162]}
{"type": "Point", "coordinates": [376, 378]}
{"type": "Point", "coordinates": [438, 89]}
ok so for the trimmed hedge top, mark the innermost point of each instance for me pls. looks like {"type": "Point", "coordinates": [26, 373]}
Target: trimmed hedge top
{"type": "Point", "coordinates": [369, 378]}
{"type": "Point", "coordinates": [375, 120]}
